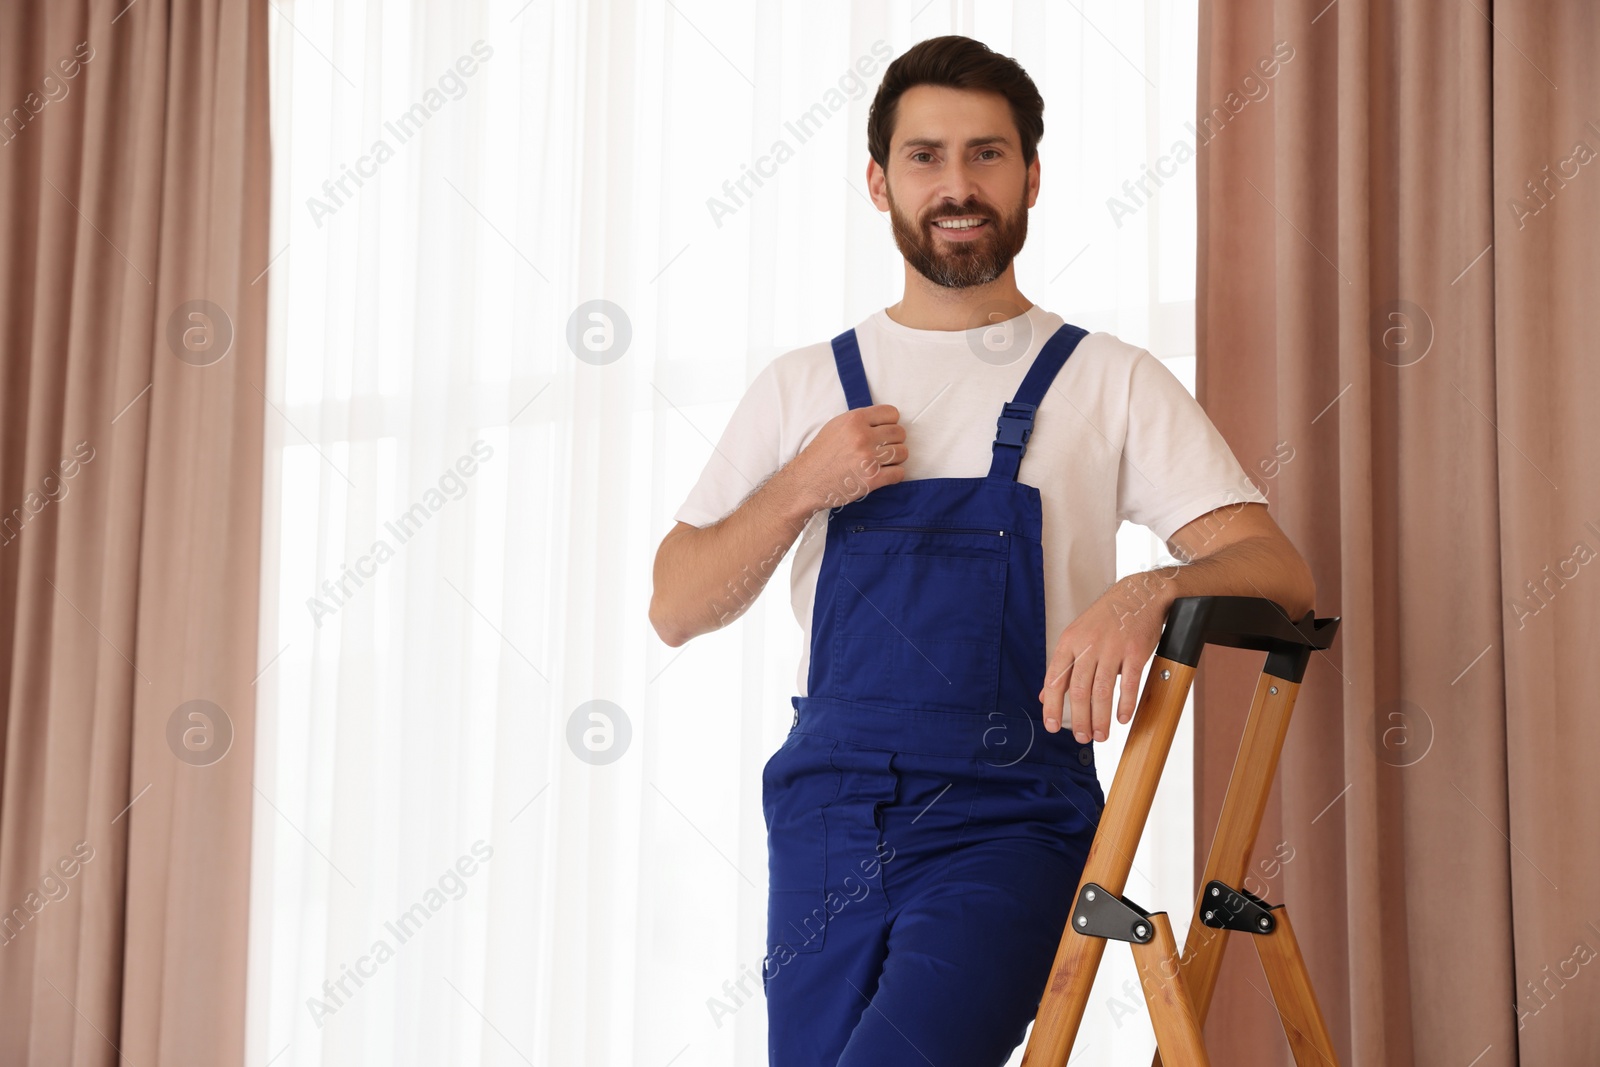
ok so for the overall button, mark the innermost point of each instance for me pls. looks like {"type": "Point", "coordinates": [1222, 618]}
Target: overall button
{"type": "Point", "coordinates": [1085, 755]}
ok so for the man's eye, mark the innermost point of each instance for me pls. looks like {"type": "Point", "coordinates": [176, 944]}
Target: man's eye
{"type": "Point", "coordinates": [915, 156]}
{"type": "Point", "coordinates": [990, 152]}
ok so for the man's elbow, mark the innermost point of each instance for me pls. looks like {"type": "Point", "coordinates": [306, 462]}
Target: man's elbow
{"type": "Point", "coordinates": [668, 615]}
{"type": "Point", "coordinates": [667, 628]}
{"type": "Point", "coordinates": [667, 622]}
{"type": "Point", "coordinates": [1305, 598]}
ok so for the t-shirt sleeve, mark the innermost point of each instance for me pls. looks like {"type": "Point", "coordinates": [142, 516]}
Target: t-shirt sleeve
{"type": "Point", "coordinates": [1175, 464]}
{"type": "Point", "coordinates": [747, 453]}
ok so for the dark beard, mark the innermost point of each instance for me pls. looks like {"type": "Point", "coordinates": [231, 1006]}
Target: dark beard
{"type": "Point", "coordinates": [960, 266]}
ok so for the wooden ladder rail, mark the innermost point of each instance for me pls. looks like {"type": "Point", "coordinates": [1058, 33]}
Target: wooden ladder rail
{"type": "Point", "coordinates": [1178, 989]}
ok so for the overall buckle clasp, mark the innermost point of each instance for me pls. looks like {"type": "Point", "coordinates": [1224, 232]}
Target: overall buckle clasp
{"type": "Point", "coordinates": [1015, 424]}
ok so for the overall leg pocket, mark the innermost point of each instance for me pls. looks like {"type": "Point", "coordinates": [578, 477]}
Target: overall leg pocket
{"type": "Point", "coordinates": [798, 781]}
{"type": "Point", "coordinates": [918, 617]}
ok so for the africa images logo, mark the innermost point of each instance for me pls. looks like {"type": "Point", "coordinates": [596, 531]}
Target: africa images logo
{"type": "Point", "coordinates": [451, 485]}
{"type": "Point", "coordinates": [451, 86]}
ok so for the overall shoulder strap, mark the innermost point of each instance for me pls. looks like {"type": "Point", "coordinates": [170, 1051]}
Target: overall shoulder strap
{"type": "Point", "coordinates": [847, 357]}
{"type": "Point", "coordinates": [1016, 418]}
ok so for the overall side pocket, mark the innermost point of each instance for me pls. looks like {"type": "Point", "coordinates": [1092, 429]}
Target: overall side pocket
{"type": "Point", "coordinates": [798, 781]}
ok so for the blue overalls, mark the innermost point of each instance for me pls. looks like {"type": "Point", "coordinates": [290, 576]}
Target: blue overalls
{"type": "Point", "coordinates": [925, 834]}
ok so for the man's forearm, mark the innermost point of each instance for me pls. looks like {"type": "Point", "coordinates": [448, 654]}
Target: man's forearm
{"type": "Point", "coordinates": [706, 578]}
{"type": "Point", "coordinates": [1257, 567]}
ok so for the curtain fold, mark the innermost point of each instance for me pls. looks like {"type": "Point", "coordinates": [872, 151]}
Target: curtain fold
{"type": "Point", "coordinates": [1391, 288]}
{"type": "Point", "coordinates": [134, 170]}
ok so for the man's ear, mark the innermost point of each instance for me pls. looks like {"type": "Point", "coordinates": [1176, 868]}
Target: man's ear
{"type": "Point", "coordinates": [875, 184]}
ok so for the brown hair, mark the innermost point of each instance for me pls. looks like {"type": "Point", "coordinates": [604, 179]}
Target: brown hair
{"type": "Point", "coordinates": [958, 63]}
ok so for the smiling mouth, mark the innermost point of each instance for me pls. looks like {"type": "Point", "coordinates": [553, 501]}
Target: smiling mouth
{"type": "Point", "coordinates": [960, 225]}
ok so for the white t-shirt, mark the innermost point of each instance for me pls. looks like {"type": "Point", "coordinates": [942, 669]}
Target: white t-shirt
{"type": "Point", "coordinates": [1117, 437]}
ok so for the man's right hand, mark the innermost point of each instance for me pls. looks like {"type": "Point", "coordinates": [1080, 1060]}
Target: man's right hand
{"type": "Point", "coordinates": [707, 577]}
{"type": "Point", "coordinates": [854, 453]}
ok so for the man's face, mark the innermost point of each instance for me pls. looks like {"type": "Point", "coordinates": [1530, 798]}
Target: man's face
{"type": "Point", "coordinates": [956, 188]}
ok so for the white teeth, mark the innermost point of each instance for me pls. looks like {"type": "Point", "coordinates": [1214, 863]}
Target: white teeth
{"type": "Point", "coordinates": [958, 224]}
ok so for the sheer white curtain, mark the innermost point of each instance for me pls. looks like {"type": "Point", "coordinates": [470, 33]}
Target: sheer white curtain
{"type": "Point", "coordinates": [460, 857]}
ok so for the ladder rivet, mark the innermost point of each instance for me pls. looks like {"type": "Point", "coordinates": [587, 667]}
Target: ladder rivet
{"type": "Point", "coordinates": [1139, 929]}
{"type": "Point", "coordinates": [1088, 894]}
{"type": "Point", "coordinates": [1272, 689]}
{"type": "Point", "coordinates": [1165, 675]}
{"type": "Point", "coordinates": [1083, 920]}
{"type": "Point", "coordinates": [1211, 915]}
{"type": "Point", "coordinates": [1265, 922]}
{"type": "Point", "coordinates": [1216, 892]}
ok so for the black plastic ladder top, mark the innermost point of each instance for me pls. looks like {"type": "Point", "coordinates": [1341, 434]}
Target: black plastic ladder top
{"type": "Point", "coordinates": [1244, 622]}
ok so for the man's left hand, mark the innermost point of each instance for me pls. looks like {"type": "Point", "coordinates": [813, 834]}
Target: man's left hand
{"type": "Point", "coordinates": [1233, 550]}
{"type": "Point", "coordinates": [1116, 636]}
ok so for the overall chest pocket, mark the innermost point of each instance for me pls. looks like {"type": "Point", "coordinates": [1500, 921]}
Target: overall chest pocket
{"type": "Point", "coordinates": [918, 614]}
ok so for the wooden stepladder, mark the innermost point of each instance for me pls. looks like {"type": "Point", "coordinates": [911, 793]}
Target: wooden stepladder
{"type": "Point", "coordinates": [1178, 992]}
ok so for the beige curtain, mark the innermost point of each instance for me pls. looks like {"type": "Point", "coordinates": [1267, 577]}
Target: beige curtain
{"type": "Point", "coordinates": [1384, 295]}
{"type": "Point", "coordinates": [133, 185]}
